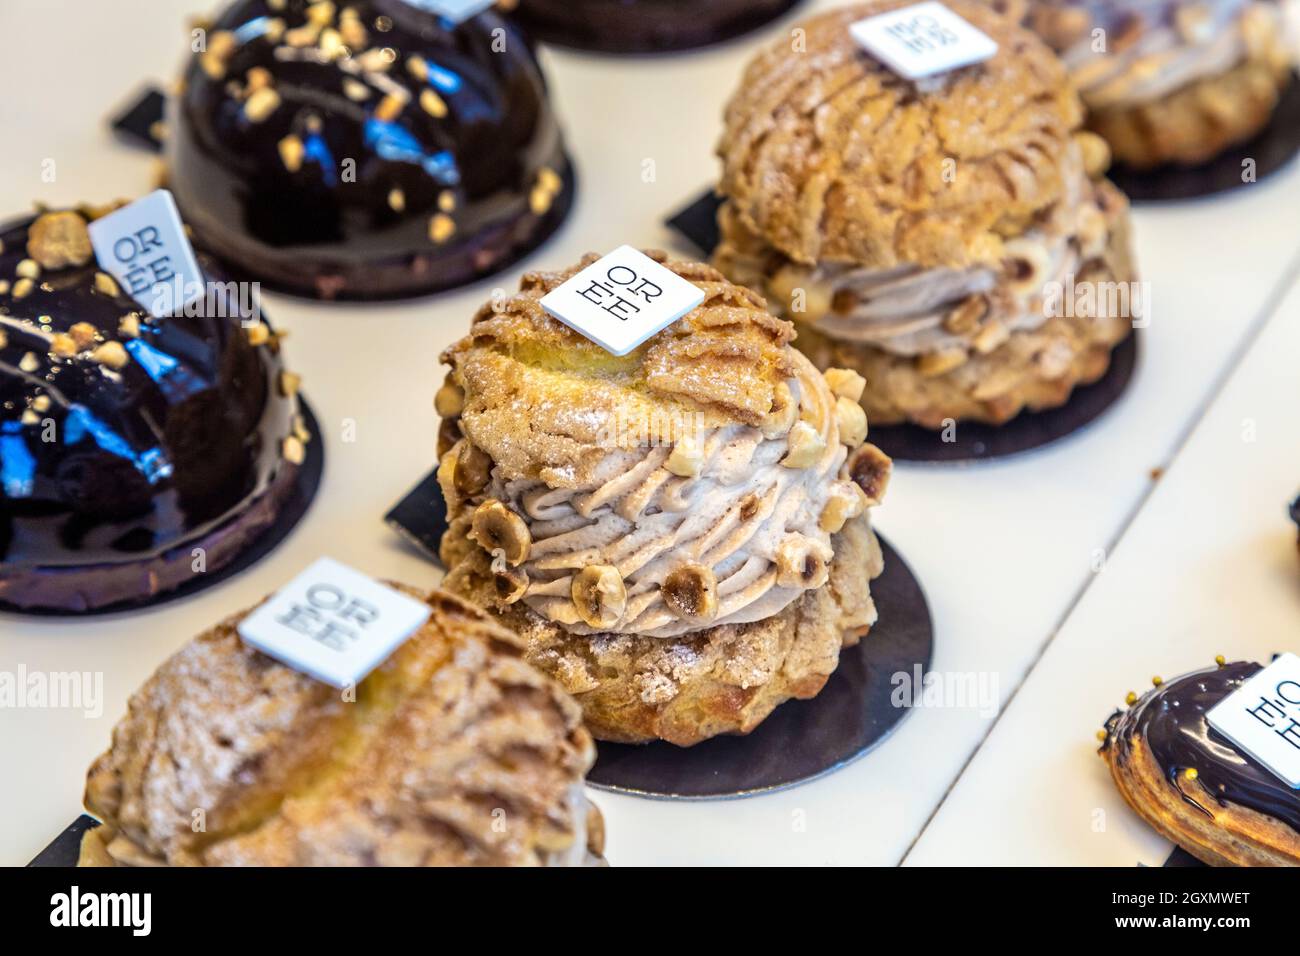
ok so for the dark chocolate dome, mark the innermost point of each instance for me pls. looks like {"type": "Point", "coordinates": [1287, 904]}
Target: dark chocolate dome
{"type": "Point", "coordinates": [127, 441]}
{"type": "Point", "coordinates": [365, 149]}
{"type": "Point", "coordinates": [645, 26]}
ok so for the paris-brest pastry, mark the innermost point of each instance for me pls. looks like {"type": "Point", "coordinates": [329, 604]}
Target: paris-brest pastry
{"type": "Point", "coordinates": [951, 239]}
{"type": "Point", "coordinates": [453, 752]}
{"type": "Point", "coordinates": [1170, 81]}
{"type": "Point", "coordinates": [680, 534]}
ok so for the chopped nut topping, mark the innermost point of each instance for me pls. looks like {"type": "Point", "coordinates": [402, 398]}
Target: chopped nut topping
{"type": "Point", "coordinates": [289, 383]}
{"type": "Point", "coordinates": [83, 333]}
{"type": "Point", "coordinates": [63, 345]}
{"type": "Point", "coordinates": [687, 458]}
{"type": "Point", "coordinates": [291, 152]}
{"type": "Point", "coordinates": [499, 531]}
{"type": "Point", "coordinates": [4, 286]}
{"type": "Point", "coordinates": [539, 200]}
{"type": "Point", "coordinates": [599, 595]}
{"type": "Point", "coordinates": [806, 446]}
{"type": "Point", "coordinates": [389, 107]}
{"type": "Point", "coordinates": [321, 12]}
{"type": "Point", "coordinates": [261, 104]}
{"type": "Point", "coordinates": [292, 450]}
{"type": "Point", "coordinates": [355, 90]}
{"type": "Point", "coordinates": [29, 362]}
{"type": "Point", "coordinates": [331, 44]}
{"type": "Point", "coordinates": [28, 269]}
{"type": "Point", "coordinates": [221, 45]}
{"type": "Point", "coordinates": [129, 327]}
{"type": "Point", "coordinates": [549, 179]}
{"type": "Point", "coordinates": [111, 354]}
{"type": "Point", "coordinates": [446, 200]}
{"type": "Point", "coordinates": [845, 383]}
{"type": "Point", "coordinates": [105, 284]}
{"type": "Point", "coordinates": [396, 200]}
{"type": "Point", "coordinates": [432, 104]}
{"type": "Point", "coordinates": [41, 403]}
{"type": "Point", "coordinates": [29, 417]}
{"type": "Point", "coordinates": [59, 239]}
{"type": "Point", "coordinates": [23, 287]}
{"type": "Point", "coordinates": [449, 400]}
{"type": "Point", "coordinates": [852, 420]}
{"type": "Point", "coordinates": [419, 69]}
{"type": "Point", "coordinates": [259, 78]}
{"type": "Point", "coordinates": [258, 333]}
{"type": "Point", "coordinates": [441, 228]}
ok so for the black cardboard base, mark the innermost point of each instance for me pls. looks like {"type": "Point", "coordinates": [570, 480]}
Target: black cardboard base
{"type": "Point", "coordinates": [973, 441]}
{"type": "Point", "coordinates": [802, 739]}
{"type": "Point", "coordinates": [306, 482]}
{"type": "Point", "coordinates": [65, 848]}
{"type": "Point", "coordinates": [1274, 148]}
{"type": "Point", "coordinates": [1181, 858]}
{"type": "Point", "coordinates": [137, 122]}
{"type": "Point", "coordinates": [698, 222]}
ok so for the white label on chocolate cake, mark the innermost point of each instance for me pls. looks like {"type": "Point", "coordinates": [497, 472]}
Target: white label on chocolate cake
{"type": "Point", "coordinates": [454, 10]}
{"type": "Point", "coordinates": [143, 246]}
{"type": "Point", "coordinates": [622, 299]}
{"type": "Point", "coordinates": [920, 41]}
{"type": "Point", "coordinates": [333, 623]}
{"type": "Point", "coordinates": [1262, 717]}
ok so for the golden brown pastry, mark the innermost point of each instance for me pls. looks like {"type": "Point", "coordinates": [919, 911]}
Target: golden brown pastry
{"type": "Point", "coordinates": [679, 534]}
{"type": "Point", "coordinates": [935, 237]}
{"type": "Point", "coordinates": [454, 752]}
{"type": "Point", "coordinates": [1170, 81]}
{"type": "Point", "coordinates": [1191, 783]}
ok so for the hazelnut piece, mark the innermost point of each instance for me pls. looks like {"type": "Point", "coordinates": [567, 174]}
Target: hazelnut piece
{"type": "Point", "coordinates": [599, 595]}
{"type": "Point", "coordinates": [691, 592]}
{"type": "Point", "coordinates": [495, 528]}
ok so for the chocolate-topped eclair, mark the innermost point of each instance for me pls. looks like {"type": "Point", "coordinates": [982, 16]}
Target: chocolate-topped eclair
{"type": "Point", "coordinates": [1194, 785]}
{"type": "Point", "coordinates": [364, 150]}
{"type": "Point", "coordinates": [134, 451]}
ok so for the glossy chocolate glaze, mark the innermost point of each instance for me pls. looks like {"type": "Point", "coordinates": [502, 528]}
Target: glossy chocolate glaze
{"type": "Point", "coordinates": [1170, 722]}
{"type": "Point", "coordinates": [645, 26]}
{"type": "Point", "coordinates": [391, 153]}
{"type": "Point", "coordinates": [109, 476]}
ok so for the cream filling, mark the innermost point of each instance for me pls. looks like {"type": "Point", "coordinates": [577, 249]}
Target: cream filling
{"type": "Point", "coordinates": [1205, 40]}
{"type": "Point", "coordinates": [646, 521]}
{"type": "Point", "coordinates": [908, 310]}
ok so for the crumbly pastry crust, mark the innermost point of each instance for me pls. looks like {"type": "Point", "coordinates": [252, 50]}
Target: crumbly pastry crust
{"type": "Point", "coordinates": [1181, 81]}
{"type": "Point", "coordinates": [681, 513]}
{"type": "Point", "coordinates": [1218, 834]}
{"type": "Point", "coordinates": [228, 758]}
{"type": "Point", "coordinates": [830, 156]}
{"type": "Point", "coordinates": [1198, 122]}
{"type": "Point", "coordinates": [719, 680]}
{"type": "Point", "coordinates": [939, 296]}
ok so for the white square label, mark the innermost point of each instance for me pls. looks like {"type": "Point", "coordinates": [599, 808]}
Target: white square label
{"type": "Point", "coordinates": [143, 246]}
{"type": "Point", "coordinates": [1262, 717]}
{"type": "Point", "coordinates": [333, 623]}
{"type": "Point", "coordinates": [454, 10]}
{"type": "Point", "coordinates": [922, 40]}
{"type": "Point", "coordinates": [622, 299]}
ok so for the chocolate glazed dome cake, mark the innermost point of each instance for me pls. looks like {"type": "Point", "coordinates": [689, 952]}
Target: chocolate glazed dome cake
{"type": "Point", "coordinates": [127, 442]}
{"type": "Point", "coordinates": [365, 150]}
{"type": "Point", "coordinates": [645, 26]}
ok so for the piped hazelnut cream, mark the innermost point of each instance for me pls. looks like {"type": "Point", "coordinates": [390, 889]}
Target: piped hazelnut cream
{"type": "Point", "coordinates": [909, 310]}
{"type": "Point", "coordinates": [725, 526]}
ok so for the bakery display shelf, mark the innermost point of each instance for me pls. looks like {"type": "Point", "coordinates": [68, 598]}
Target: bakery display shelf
{"type": "Point", "coordinates": [1002, 548]}
{"type": "Point", "coordinates": [1209, 567]}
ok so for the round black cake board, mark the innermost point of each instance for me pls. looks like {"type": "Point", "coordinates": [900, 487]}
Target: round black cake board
{"type": "Point", "coordinates": [306, 482]}
{"type": "Point", "coordinates": [973, 441]}
{"type": "Point", "coordinates": [610, 42]}
{"type": "Point", "coordinates": [1272, 149]}
{"type": "Point", "coordinates": [802, 739]}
